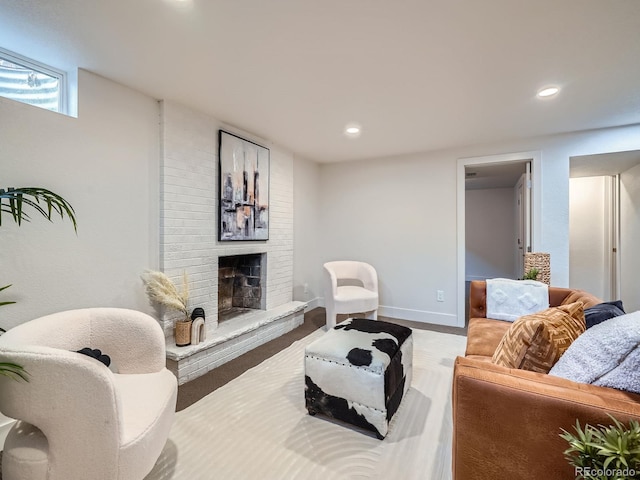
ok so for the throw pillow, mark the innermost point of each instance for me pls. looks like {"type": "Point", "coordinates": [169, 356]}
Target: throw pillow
{"type": "Point", "coordinates": [607, 355]}
{"type": "Point", "coordinates": [536, 342]}
{"type": "Point", "coordinates": [603, 311]}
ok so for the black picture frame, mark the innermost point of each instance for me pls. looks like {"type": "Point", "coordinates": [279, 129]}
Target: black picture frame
{"type": "Point", "coordinates": [243, 180]}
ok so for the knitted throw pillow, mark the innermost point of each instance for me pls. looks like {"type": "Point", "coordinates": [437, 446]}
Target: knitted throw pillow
{"type": "Point", "coordinates": [607, 354]}
{"type": "Point", "coordinates": [536, 342]}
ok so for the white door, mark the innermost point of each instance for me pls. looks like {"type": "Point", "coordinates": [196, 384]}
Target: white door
{"type": "Point", "coordinates": [523, 222]}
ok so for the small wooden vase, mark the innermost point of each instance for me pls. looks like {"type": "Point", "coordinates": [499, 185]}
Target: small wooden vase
{"type": "Point", "coordinates": [183, 333]}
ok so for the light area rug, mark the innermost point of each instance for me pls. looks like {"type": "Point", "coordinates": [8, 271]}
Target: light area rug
{"type": "Point", "coordinates": [257, 427]}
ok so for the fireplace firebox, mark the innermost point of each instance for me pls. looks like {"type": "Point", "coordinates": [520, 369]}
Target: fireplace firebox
{"type": "Point", "coordinates": [241, 281]}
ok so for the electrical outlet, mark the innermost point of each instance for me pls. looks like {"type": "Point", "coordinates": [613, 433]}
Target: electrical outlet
{"type": "Point", "coordinates": [440, 295]}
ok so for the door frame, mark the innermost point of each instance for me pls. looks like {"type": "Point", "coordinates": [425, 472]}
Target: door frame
{"type": "Point", "coordinates": [536, 210]}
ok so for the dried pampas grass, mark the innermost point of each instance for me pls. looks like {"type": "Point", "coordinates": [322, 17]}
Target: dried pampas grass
{"type": "Point", "coordinates": [160, 289]}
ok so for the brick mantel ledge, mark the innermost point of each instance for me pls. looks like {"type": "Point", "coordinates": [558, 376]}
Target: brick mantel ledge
{"type": "Point", "coordinates": [231, 339]}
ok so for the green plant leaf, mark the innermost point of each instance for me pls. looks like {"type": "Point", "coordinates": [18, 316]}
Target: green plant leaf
{"type": "Point", "coordinates": [14, 371]}
{"type": "Point", "coordinates": [8, 302]}
{"type": "Point", "coordinates": [15, 198]}
{"type": "Point", "coordinates": [615, 446]}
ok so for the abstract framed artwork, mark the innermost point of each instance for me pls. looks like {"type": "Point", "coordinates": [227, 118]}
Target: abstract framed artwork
{"type": "Point", "coordinates": [244, 189]}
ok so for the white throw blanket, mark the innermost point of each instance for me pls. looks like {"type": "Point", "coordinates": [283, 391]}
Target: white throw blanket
{"type": "Point", "coordinates": [510, 299]}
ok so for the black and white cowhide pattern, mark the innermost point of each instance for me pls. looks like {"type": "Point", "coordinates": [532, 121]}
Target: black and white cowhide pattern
{"type": "Point", "coordinates": [366, 396]}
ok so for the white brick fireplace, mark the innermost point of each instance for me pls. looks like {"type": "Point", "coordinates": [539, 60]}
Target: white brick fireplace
{"type": "Point", "coordinates": [188, 242]}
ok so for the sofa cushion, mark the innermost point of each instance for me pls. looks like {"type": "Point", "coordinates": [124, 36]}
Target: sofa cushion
{"type": "Point", "coordinates": [607, 355]}
{"type": "Point", "coordinates": [602, 311]}
{"type": "Point", "coordinates": [536, 341]}
{"type": "Point", "coordinates": [484, 336]}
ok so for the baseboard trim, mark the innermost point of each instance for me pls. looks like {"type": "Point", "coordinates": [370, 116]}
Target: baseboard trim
{"type": "Point", "coordinates": [313, 303]}
{"type": "Point", "coordinates": [422, 316]}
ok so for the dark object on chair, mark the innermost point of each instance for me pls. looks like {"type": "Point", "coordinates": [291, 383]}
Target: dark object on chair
{"type": "Point", "coordinates": [97, 354]}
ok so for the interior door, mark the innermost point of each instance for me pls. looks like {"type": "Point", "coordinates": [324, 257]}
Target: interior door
{"type": "Point", "coordinates": [523, 213]}
{"type": "Point", "coordinates": [613, 249]}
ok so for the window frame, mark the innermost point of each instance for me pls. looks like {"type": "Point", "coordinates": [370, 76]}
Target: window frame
{"type": "Point", "coordinates": [60, 75]}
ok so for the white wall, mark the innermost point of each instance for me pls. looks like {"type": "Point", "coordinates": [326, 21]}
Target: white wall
{"type": "Point", "coordinates": [490, 216]}
{"type": "Point", "coordinates": [588, 266]}
{"type": "Point", "coordinates": [307, 267]}
{"type": "Point", "coordinates": [399, 213]}
{"type": "Point", "coordinates": [105, 163]}
{"type": "Point", "coordinates": [396, 214]}
{"type": "Point", "coordinates": [629, 238]}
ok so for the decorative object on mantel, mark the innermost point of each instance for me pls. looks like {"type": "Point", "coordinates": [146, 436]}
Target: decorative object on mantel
{"type": "Point", "coordinates": [183, 332]}
{"type": "Point", "coordinates": [197, 312]}
{"type": "Point", "coordinates": [198, 330]}
{"type": "Point", "coordinates": [244, 189]}
{"type": "Point", "coordinates": [540, 262]}
{"type": "Point", "coordinates": [161, 290]}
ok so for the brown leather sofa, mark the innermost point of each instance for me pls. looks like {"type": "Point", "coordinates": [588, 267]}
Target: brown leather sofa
{"type": "Point", "coordinates": [506, 422]}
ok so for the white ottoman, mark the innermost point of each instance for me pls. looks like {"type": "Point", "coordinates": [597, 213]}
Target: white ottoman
{"type": "Point", "coordinates": [358, 373]}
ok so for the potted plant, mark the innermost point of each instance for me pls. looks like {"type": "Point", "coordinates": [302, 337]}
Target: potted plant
{"type": "Point", "coordinates": [531, 274]}
{"type": "Point", "coordinates": [45, 202]}
{"type": "Point", "coordinates": [161, 290]}
{"type": "Point", "coordinates": [603, 453]}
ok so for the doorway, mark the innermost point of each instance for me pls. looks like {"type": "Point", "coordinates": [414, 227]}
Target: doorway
{"type": "Point", "coordinates": [604, 199]}
{"type": "Point", "coordinates": [498, 218]}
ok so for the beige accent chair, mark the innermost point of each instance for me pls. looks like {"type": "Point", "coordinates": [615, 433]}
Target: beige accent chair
{"type": "Point", "coordinates": [78, 419]}
{"type": "Point", "coordinates": [340, 298]}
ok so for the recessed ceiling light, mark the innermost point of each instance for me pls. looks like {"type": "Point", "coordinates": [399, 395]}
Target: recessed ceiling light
{"type": "Point", "coordinates": [353, 130]}
{"type": "Point", "coordinates": [182, 4]}
{"type": "Point", "coordinates": [548, 92]}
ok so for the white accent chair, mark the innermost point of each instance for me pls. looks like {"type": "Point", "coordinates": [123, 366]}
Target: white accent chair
{"type": "Point", "coordinates": [78, 419]}
{"type": "Point", "coordinates": [350, 298]}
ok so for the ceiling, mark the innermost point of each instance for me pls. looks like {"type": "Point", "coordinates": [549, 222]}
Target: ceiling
{"type": "Point", "coordinates": [418, 75]}
{"type": "Point", "coordinates": [603, 164]}
{"type": "Point", "coordinates": [495, 175]}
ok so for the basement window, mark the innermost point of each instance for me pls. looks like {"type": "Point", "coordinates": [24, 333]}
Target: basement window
{"type": "Point", "coordinates": [31, 82]}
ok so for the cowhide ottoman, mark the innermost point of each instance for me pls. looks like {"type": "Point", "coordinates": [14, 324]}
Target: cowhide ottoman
{"type": "Point", "coordinates": [358, 373]}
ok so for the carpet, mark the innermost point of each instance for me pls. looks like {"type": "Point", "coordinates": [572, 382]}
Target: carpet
{"type": "Point", "coordinates": [256, 426]}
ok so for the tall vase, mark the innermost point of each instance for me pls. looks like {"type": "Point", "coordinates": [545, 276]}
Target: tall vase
{"type": "Point", "coordinates": [183, 333]}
